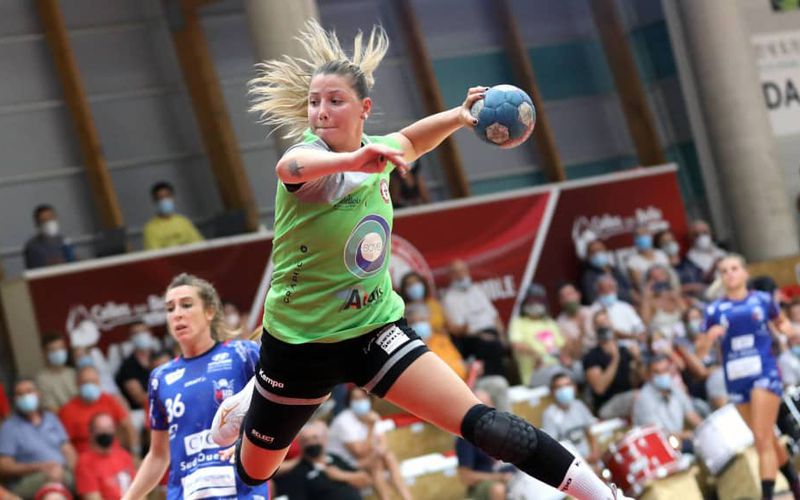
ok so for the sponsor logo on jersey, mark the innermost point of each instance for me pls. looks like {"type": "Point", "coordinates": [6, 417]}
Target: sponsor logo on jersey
{"type": "Point", "coordinates": [220, 361]}
{"type": "Point", "coordinates": [199, 441]}
{"type": "Point", "coordinates": [385, 191]}
{"type": "Point", "coordinates": [758, 313]}
{"type": "Point", "coordinates": [194, 381]}
{"type": "Point", "coordinates": [365, 250]}
{"type": "Point", "coordinates": [358, 298]}
{"type": "Point", "coordinates": [348, 202]}
{"type": "Point", "coordinates": [223, 388]}
{"type": "Point", "coordinates": [172, 377]}
{"type": "Point", "coordinates": [154, 383]}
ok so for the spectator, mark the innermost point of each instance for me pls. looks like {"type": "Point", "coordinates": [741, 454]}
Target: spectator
{"type": "Point", "coordinates": [534, 334]}
{"type": "Point", "coordinates": [134, 373]}
{"type": "Point", "coordinates": [575, 320]}
{"type": "Point", "coordinates": [56, 381]}
{"type": "Point", "coordinates": [408, 190]}
{"type": "Point", "coordinates": [696, 367]}
{"type": "Point", "coordinates": [690, 276]}
{"type": "Point", "coordinates": [356, 439]}
{"type": "Point", "coordinates": [611, 371]}
{"type": "Point", "coordinates": [7, 495]}
{"type": "Point", "coordinates": [233, 320]}
{"type": "Point", "coordinates": [320, 474]}
{"type": "Point", "coordinates": [660, 403]}
{"type": "Point", "coordinates": [426, 316]}
{"type": "Point", "coordinates": [646, 256]}
{"type": "Point", "coordinates": [78, 412]}
{"type": "Point", "coordinates": [91, 355]}
{"type": "Point", "coordinates": [662, 306]}
{"type": "Point", "coordinates": [48, 247]}
{"type": "Point", "coordinates": [625, 322]}
{"type": "Point", "coordinates": [704, 252]}
{"type": "Point", "coordinates": [568, 419]}
{"type": "Point", "coordinates": [598, 264]}
{"type": "Point", "coordinates": [104, 470]}
{"type": "Point", "coordinates": [789, 362]}
{"type": "Point", "coordinates": [473, 321]}
{"type": "Point", "coordinates": [167, 228]}
{"type": "Point", "coordinates": [34, 449]}
{"type": "Point", "coordinates": [484, 477]}
{"type": "Point", "coordinates": [793, 314]}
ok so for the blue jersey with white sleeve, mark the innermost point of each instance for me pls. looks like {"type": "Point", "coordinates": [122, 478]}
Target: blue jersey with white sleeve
{"type": "Point", "coordinates": [184, 396]}
{"type": "Point", "coordinates": [747, 344]}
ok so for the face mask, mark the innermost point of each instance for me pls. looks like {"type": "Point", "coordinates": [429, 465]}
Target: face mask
{"type": "Point", "coordinates": [662, 381]}
{"type": "Point", "coordinates": [89, 392]}
{"type": "Point", "coordinates": [463, 283]}
{"type": "Point", "coordinates": [142, 341]}
{"type": "Point", "coordinates": [661, 345]}
{"type": "Point", "coordinates": [166, 206]}
{"type": "Point", "coordinates": [695, 326]}
{"type": "Point", "coordinates": [571, 307]}
{"type": "Point", "coordinates": [312, 451]}
{"type": "Point", "coordinates": [796, 350]}
{"type": "Point", "coordinates": [599, 259]}
{"type": "Point", "coordinates": [643, 241]}
{"type": "Point", "coordinates": [232, 320]}
{"type": "Point", "coordinates": [608, 299]}
{"type": "Point", "coordinates": [534, 310]}
{"type": "Point", "coordinates": [672, 248]}
{"type": "Point", "coordinates": [104, 439]}
{"type": "Point", "coordinates": [50, 228]}
{"type": "Point", "coordinates": [57, 357]}
{"type": "Point", "coordinates": [423, 329]}
{"type": "Point", "coordinates": [565, 395]}
{"type": "Point", "coordinates": [83, 361]}
{"type": "Point", "coordinates": [415, 291]}
{"type": "Point", "coordinates": [361, 406]}
{"type": "Point", "coordinates": [703, 241]}
{"type": "Point", "coordinates": [27, 403]}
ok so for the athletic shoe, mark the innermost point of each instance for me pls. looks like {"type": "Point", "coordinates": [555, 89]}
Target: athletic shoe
{"type": "Point", "coordinates": [229, 416]}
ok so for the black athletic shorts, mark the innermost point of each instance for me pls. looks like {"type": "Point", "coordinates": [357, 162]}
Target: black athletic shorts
{"type": "Point", "coordinates": [293, 380]}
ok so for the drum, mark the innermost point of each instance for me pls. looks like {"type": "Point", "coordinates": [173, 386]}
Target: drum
{"type": "Point", "coordinates": [721, 437]}
{"type": "Point", "coordinates": [643, 454]}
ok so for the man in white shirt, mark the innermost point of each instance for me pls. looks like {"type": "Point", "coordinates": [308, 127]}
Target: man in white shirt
{"type": "Point", "coordinates": [660, 403]}
{"type": "Point", "coordinates": [473, 321]}
{"type": "Point", "coordinates": [789, 363]}
{"type": "Point", "coordinates": [568, 419]}
{"type": "Point", "coordinates": [704, 252]}
{"type": "Point", "coordinates": [625, 321]}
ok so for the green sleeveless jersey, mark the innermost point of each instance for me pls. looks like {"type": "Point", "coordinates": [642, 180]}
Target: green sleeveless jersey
{"type": "Point", "coordinates": [330, 255]}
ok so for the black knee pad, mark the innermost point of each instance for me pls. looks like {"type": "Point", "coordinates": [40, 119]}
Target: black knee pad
{"type": "Point", "coordinates": [501, 435]}
{"type": "Point", "coordinates": [511, 439]}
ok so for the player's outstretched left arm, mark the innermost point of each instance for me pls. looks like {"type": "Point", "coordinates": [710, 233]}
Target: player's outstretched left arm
{"type": "Point", "coordinates": [425, 134]}
{"type": "Point", "coordinates": [153, 466]}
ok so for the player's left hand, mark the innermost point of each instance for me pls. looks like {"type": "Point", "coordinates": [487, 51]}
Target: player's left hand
{"type": "Point", "coordinates": [473, 94]}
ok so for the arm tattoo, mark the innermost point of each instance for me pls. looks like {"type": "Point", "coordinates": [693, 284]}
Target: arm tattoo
{"type": "Point", "coordinates": [295, 169]}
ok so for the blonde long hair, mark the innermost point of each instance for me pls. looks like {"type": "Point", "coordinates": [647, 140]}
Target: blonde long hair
{"type": "Point", "coordinates": [279, 92]}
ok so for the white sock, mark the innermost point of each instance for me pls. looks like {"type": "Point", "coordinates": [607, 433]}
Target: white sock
{"type": "Point", "coordinates": [582, 483]}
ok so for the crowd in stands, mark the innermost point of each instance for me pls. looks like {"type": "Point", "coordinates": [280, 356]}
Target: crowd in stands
{"type": "Point", "coordinates": [623, 341]}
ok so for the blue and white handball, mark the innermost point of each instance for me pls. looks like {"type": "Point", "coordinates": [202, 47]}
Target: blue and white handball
{"type": "Point", "coordinates": [506, 116]}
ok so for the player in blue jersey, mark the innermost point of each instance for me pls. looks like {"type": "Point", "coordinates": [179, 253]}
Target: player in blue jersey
{"type": "Point", "coordinates": [185, 393]}
{"type": "Point", "coordinates": [744, 321]}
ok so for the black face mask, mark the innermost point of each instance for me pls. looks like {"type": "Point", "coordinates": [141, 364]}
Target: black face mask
{"type": "Point", "coordinates": [312, 451]}
{"type": "Point", "coordinates": [104, 440]}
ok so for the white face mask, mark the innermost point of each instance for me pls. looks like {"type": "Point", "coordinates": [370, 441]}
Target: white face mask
{"type": "Point", "coordinates": [232, 320]}
{"type": "Point", "coordinates": [50, 228]}
{"type": "Point", "coordinates": [703, 242]}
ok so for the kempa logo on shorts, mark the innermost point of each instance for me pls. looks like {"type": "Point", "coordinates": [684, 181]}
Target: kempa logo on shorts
{"type": "Point", "coordinates": [274, 383]}
{"type": "Point", "coordinates": [261, 437]}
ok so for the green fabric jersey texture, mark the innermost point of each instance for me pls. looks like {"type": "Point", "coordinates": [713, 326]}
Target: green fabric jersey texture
{"type": "Point", "coordinates": [330, 255]}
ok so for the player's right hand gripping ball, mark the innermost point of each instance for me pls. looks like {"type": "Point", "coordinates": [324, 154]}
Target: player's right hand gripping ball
{"type": "Point", "coordinates": [506, 116]}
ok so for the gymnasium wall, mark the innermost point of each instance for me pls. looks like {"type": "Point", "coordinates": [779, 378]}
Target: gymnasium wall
{"type": "Point", "coordinates": [148, 132]}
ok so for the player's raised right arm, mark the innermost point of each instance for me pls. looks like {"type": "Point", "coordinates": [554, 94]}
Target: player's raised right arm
{"type": "Point", "coordinates": [153, 467]}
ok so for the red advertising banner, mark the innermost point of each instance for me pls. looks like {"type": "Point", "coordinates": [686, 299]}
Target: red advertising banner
{"type": "Point", "coordinates": [495, 237]}
{"type": "Point", "coordinates": [103, 297]}
{"type": "Point", "coordinates": [609, 209]}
